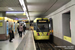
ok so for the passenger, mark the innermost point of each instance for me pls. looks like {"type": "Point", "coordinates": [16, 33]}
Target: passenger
{"type": "Point", "coordinates": [20, 30]}
{"type": "Point", "coordinates": [24, 28]}
{"type": "Point", "coordinates": [11, 35]}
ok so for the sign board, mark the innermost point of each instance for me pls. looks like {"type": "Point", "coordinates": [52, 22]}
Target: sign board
{"type": "Point", "coordinates": [1, 18]}
{"type": "Point", "coordinates": [67, 38]}
{"type": "Point", "coordinates": [1, 23]}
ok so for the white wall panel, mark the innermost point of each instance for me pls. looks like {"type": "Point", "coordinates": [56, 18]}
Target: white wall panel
{"type": "Point", "coordinates": [73, 24]}
{"type": "Point", "coordinates": [57, 25]}
{"type": "Point", "coordinates": [57, 19]}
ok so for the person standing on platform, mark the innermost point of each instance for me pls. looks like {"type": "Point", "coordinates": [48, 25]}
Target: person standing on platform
{"type": "Point", "coordinates": [24, 28]}
{"type": "Point", "coordinates": [11, 35]}
{"type": "Point", "coordinates": [20, 30]}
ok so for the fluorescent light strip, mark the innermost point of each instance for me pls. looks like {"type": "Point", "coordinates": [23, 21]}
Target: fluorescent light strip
{"type": "Point", "coordinates": [24, 8]}
{"type": "Point", "coordinates": [14, 12]}
{"type": "Point", "coordinates": [22, 4]}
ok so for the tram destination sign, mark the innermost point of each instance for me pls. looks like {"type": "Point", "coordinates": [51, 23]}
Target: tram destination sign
{"type": "Point", "coordinates": [42, 21]}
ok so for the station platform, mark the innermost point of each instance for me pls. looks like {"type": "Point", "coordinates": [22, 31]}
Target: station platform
{"type": "Point", "coordinates": [24, 43]}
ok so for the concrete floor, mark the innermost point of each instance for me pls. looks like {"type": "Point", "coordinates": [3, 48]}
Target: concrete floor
{"type": "Point", "coordinates": [24, 43]}
{"type": "Point", "coordinates": [6, 45]}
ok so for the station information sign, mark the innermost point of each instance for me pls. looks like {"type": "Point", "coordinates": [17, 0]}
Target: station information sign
{"type": "Point", "coordinates": [1, 23]}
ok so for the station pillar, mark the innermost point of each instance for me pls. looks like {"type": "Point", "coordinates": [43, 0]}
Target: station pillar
{"type": "Point", "coordinates": [2, 26]}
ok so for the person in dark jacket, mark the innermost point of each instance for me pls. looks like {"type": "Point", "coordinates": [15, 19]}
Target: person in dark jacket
{"type": "Point", "coordinates": [24, 28]}
{"type": "Point", "coordinates": [11, 35]}
{"type": "Point", "coordinates": [18, 29]}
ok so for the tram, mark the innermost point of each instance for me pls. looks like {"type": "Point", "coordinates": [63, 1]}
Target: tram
{"type": "Point", "coordinates": [41, 29]}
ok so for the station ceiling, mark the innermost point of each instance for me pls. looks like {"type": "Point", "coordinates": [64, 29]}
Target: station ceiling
{"type": "Point", "coordinates": [36, 8]}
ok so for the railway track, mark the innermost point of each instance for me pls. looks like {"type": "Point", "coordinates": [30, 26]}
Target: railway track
{"type": "Point", "coordinates": [45, 46]}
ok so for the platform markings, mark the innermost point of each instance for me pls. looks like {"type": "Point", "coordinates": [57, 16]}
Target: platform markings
{"type": "Point", "coordinates": [33, 42]}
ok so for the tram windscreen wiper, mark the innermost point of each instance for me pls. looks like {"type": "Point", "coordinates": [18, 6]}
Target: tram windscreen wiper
{"type": "Point", "coordinates": [39, 29]}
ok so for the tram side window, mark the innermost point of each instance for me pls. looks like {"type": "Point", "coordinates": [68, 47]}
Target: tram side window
{"type": "Point", "coordinates": [35, 26]}
{"type": "Point", "coordinates": [49, 26]}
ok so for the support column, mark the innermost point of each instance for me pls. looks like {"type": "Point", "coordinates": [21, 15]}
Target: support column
{"type": "Point", "coordinates": [2, 26]}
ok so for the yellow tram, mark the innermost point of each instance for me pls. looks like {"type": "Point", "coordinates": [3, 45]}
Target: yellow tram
{"type": "Point", "coordinates": [41, 29]}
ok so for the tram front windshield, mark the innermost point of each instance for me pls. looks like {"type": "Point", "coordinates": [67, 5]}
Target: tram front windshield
{"type": "Point", "coordinates": [43, 27]}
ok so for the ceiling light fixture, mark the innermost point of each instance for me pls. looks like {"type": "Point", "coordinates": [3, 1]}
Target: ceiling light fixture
{"type": "Point", "coordinates": [10, 8]}
{"type": "Point", "coordinates": [24, 8]}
